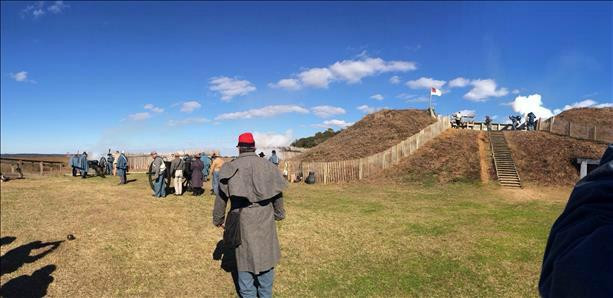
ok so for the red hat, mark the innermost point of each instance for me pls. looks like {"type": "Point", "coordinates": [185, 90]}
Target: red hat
{"type": "Point", "coordinates": [246, 140]}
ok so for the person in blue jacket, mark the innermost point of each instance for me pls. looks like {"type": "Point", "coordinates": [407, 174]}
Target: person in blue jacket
{"type": "Point", "coordinates": [122, 168]}
{"type": "Point", "coordinates": [109, 163]}
{"type": "Point", "coordinates": [83, 165]}
{"type": "Point", "coordinates": [578, 259]}
{"type": "Point", "coordinates": [74, 164]}
{"type": "Point", "coordinates": [206, 160]}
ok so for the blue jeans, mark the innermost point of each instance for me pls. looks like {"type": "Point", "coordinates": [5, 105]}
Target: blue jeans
{"type": "Point", "coordinates": [159, 187]}
{"type": "Point", "coordinates": [247, 284]}
{"type": "Point", "coordinates": [215, 182]}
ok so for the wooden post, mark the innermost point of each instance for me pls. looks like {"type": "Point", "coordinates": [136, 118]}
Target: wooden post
{"type": "Point", "coordinates": [569, 128]}
{"type": "Point", "coordinates": [594, 134]}
{"type": "Point", "coordinates": [12, 168]}
{"type": "Point", "coordinates": [551, 123]}
{"type": "Point", "coordinates": [41, 168]}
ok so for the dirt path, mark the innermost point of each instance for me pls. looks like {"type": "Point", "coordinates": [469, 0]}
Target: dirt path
{"type": "Point", "coordinates": [483, 157]}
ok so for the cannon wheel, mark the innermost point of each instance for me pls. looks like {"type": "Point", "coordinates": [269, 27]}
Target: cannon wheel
{"type": "Point", "coordinates": [167, 176]}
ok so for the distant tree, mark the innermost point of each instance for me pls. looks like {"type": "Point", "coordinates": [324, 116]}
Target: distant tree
{"type": "Point", "coordinates": [318, 138]}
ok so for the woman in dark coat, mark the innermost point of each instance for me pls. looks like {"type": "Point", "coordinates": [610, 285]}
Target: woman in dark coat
{"type": "Point", "coordinates": [196, 166]}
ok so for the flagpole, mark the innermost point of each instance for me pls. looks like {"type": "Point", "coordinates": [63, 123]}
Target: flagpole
{"type": "Point", "coordinates": [430, 104]}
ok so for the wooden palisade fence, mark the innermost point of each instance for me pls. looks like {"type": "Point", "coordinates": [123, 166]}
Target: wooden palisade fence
{"type": "Point", "coordinates": [357, 169]}
{"type": "Point", "coordinates": [40, 167]}
{"type": "Point", "coordinates": [562, 127]}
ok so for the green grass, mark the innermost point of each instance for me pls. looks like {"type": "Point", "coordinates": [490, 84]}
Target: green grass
{"type": "Point", "coordinates": [460, 239]}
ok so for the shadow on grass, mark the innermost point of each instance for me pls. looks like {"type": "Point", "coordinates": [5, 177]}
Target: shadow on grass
{"type": "Point", "coordinates": [34, 285]}
{"type": "Point", "coordinates": [130, 181]}
{"type": "Point", "coordinates": [17, 257]}
{"type": "Point", "coordinates": [228, 262]}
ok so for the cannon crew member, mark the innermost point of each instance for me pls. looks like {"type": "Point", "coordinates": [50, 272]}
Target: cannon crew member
{"type": "Point", "coordinates": [121, 167]}
{"type": "Point", "coordinates": [84, 166]}
{"type": "Point", "coordinates": [109, 163]}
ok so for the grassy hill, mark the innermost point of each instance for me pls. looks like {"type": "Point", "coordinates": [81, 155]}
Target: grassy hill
{"type": "Point", "coordinates": [372, 134]}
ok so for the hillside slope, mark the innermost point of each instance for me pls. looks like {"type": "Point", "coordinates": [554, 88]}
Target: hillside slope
{"type": "Point", "coordinates": [452, 156]}
{"type": "Point", "coordinates": [374, 133]}
{"type": "Point", "coordinates": [548, 159]}
{"type": "Point", "coordinates": [589, 116]}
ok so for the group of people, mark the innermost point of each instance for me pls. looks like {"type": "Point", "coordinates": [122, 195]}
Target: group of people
{"type": "Point", "coordinates": [530, 121]}
{"type": "Point", "coordinates": [185, 168]}
{"type": "Point", "coordinates": [515, 121]}
{"type": "Point", "coordinates": [114, 164]}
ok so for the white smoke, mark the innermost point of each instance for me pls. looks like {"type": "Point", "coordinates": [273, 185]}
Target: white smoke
{"type": "Point", "coordinates": [273, 140]}
{"type": "Point", "coordinates": [532, 103]}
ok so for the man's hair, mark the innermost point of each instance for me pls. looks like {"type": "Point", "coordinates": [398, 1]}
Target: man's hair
{"type": "Point", "coordinates": [246, 149]}
{"type": "Point", "coordinates": [274, 151]}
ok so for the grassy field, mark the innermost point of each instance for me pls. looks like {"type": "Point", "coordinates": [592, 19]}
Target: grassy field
{"type": "Point", "coordinates": [338, 240]}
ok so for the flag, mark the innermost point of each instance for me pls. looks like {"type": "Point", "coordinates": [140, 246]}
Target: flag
{"type": "Point", "coordinates": [434, 91]}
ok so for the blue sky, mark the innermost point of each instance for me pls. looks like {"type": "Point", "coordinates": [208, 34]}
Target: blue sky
{"type": "Point", "coordinates": [172, 75]}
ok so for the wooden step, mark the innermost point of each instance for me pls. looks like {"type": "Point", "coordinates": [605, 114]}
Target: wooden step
{"type": "Point", "coordinates": [506, 171]}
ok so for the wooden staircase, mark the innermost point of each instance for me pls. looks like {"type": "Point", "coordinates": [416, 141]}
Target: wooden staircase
{"type": "Point", "coordinates": [503, 161]}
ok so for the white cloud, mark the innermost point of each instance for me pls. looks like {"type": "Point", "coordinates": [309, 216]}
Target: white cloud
{"type": "Point", "coordinates": [586, 103]}
{"type": "Point", "coordinates": [188, 121]}
{"type": "Point", "coordinates": [467, 113]}
{"type": "Point", "coordinates": [377, 97]}
{"type": "Point", "coordinates": [412, 98]}
{"type": "Point", "coordinates": [483, 89]}
{"type": "Point", "coordinates": [21, 76]}
{"type": "Point", "coordinates": [531, 103]}
{"type": "Point", "coordinates": [395, 80]}
{"type": "Point", "coordinates": [39, 9]}
{"type": "Point", "coordinates": [190, 106]}
{"type": "Point", "coordinates": [316, 77]}
{"type": "Point", "coordinates": [153, 108]}
{"type": "Point", "coordinates": [515, 91]}
{"type": "Point", "coordinates": [425, 83]}
{"type": "Point", "coordinates": [350, 71]}
{"type": "Point", "coordinates": [272, 140]}
{"type": "Point", "coordinates": [230, 87]}
{"type": "Point", "coordinates": [288, 84]}
{"type": "Point", "coordinates": [367, 109]}
{"type": "Point", "coordinates": [57, 7]}
{"type": "Point", "coordinates": [459, 82]}
{"type": "Point", "coordinates": [334, 123]}
{"type": "Point", "coordinates": [267, 111]}
{"type": "Point", "coordinates": [353, 71]}
{"type": "Point", "coordinates": [139, 116]}
{"type": "Point", "coordinates": [327, 111]}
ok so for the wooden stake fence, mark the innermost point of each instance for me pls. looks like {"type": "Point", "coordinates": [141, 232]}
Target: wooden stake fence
{"type": "Point", "coordinates": [356, 169]}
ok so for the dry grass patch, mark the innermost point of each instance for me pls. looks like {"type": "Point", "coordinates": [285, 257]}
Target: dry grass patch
{"type": "Point", "coordinates": [338, 240]}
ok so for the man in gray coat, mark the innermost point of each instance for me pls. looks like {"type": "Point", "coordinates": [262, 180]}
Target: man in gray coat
{"type": "Point", "coordinates": [254, 187]}
{"type": "Point", "coordinates": [158, 169]}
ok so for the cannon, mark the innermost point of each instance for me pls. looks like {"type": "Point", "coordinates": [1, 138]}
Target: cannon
{"type": "Point", "coordinates": [95, 164]}
{"type": "Point", "coordinates": [187, 175]}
